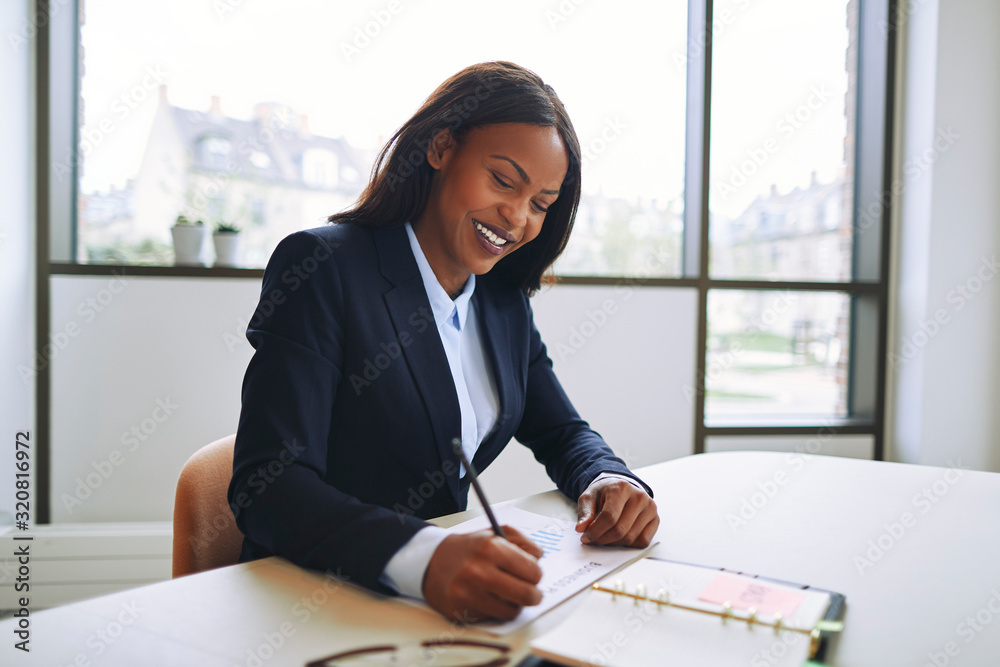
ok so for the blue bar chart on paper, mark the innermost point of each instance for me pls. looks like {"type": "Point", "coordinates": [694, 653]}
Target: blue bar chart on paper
{"type": "Point", "coordinates": [549, 542]}
{"type": "Point", "coordinates": [568, 566]}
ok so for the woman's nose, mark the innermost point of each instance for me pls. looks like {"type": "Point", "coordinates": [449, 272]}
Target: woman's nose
{"type": "Point", "coordinates": [515, 212]}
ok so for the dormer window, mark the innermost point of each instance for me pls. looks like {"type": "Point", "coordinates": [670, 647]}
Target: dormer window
{"type": "Point", "coordinates": [214, 151]}
{"type": "Point", "coordinates": [260, 160]}
{"type": "Point", "coordinates": [319, 168]}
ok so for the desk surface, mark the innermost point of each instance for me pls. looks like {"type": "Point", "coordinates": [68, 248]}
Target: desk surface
{"type": "Point", "coordinates": [914, 549]}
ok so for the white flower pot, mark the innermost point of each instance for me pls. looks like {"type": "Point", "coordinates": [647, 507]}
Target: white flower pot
{"type": "Point", "coordinates": [227, 248]}
{"type": "Point", "coordinates": [188, 242]}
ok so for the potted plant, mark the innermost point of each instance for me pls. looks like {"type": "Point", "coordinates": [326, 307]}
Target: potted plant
{"type": "Point", "coordinates": [227, 244]}
{"type": "Point", "coordinates": [189, 238]}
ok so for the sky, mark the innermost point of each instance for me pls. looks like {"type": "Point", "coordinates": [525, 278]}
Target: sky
{"type": "Point", "coordinates": [360, 69]}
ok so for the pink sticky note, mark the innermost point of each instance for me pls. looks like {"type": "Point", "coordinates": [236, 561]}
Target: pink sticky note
{"type": "Point", "coordinates": [745, 593]}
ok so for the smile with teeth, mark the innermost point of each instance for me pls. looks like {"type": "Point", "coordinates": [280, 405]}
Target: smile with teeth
{"type": "Point", "coordinates": [490, 236]}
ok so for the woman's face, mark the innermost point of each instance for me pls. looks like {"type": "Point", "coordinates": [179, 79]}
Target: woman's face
{"type": "Point", "coordinates": [488, 197]}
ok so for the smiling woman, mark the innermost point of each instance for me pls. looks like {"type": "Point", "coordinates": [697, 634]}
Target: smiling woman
{"type": "Point", "coordinates": [484, 205]}
{"type": "Point", "coordinates": [469, 204]}
{"type": "Point", "coordinates": [465, 132]}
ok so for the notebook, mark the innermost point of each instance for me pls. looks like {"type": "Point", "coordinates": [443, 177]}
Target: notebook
{"type": "Point", "coordinates": [661, 612]}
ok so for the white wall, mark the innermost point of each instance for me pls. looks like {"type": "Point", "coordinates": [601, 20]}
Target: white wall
{"type": "Point", "coordinates": [947, 370]}
{"type": "Point", "coordinates": [163, 356]}
{"type": "Point", "coordinates": [167, 357]}
{"type": "Point", "coordinates": [821, 442]}
{"type": "Point", "coordinates": [17, 248]}
{"type": "Point", "coordinates": [623, 355]}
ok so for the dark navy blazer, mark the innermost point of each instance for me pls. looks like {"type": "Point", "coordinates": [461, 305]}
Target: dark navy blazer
{"type": "Point", "coordinates": [349, 405]}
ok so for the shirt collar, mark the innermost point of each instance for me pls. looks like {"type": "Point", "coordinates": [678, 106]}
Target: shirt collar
{"type": "Point", "coordinates": [444, 308]}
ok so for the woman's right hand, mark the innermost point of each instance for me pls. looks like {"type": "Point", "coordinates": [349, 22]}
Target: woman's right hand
{"type": "Point", "coordinates": [475, 576]}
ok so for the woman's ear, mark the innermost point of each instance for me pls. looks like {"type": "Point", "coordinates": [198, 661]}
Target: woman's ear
{"type": "Point", "coordinates": [439, 147]}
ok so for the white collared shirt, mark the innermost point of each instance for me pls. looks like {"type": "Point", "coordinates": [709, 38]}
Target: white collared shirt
{"type": "Point", "coordinates": [477, 399]}
{"type": "Point", "coordinates": [459, 328]}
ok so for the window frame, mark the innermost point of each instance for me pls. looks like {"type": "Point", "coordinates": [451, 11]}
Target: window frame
{"type": "Point", "coordinates": [57, 96]}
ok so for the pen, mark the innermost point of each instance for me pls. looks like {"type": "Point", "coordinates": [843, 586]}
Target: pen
{"type": "Point", "coordinates": [456, 445]}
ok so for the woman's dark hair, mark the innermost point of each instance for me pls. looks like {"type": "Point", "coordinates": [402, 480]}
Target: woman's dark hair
{"type": "Point", "coordinates": [483, 94]}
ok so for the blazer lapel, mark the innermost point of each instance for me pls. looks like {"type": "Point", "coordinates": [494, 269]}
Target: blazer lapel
{"type": "Point", "coordinates": [407, 304]}
{"type": "Point", "coordinates": [495, 333]}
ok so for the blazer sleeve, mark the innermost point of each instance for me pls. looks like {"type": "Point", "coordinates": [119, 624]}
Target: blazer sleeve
{"type": "Point", "coordinates": [278, 491]}
{"type": "Point", "coordinates": [572, 452]}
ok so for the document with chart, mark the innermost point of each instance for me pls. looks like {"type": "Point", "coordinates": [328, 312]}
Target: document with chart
{"type": "Point", "coordinates": [568, 565]}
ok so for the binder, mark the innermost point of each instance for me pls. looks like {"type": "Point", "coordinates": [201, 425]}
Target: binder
{"type": "Point", "coordinates": [658, 611]}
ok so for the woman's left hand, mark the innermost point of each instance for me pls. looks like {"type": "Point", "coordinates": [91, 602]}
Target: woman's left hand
{"type": "Point", "coordinates": [613, 512]}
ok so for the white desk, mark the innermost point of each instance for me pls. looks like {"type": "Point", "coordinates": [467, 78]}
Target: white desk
{"type": "Point", "coordinates": [940, 569]}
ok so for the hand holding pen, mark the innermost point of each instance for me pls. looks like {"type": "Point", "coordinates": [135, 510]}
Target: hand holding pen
{"type": "Point", "coordinates": [486, 574]}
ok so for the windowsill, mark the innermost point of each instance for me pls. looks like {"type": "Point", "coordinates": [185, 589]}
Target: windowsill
{"type": "Point", "coordinates": [101, 528]}
{"type": "Point", "coordinates": [789, 424]}
{"type": "Point", "coordinates": [170, 271]}
{"type": "Point", "coordinates": [74, 269]}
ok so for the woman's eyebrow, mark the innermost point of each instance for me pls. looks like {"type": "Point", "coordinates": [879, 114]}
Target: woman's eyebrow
{"type": "Point", "coordinates": [523, 174]}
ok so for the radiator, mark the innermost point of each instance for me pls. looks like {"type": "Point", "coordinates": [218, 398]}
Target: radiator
{"type": "Point", "coordinates": [70, 562]}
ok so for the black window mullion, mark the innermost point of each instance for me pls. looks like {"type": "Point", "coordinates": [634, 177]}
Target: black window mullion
{"type": "Point", "coordinates": [696, 175]}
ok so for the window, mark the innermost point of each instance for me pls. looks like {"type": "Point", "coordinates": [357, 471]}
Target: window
{"type": "Point", "coordinates": [781, 202]}
{"type": "Point", "coordinates": [213, 152]}
{"type": "Point", "coordinates": [319, 168]}
{"type": "Point", "coordinates": [260, 159]}
{"type": "Point", "coordinates": [728, 149]}
{"type": "Point", "coordinates": [782, 137]}
{"type": "Point", "coordinates": [776, 354]}
{"type": "Point", "coordinates": [263, 123]}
